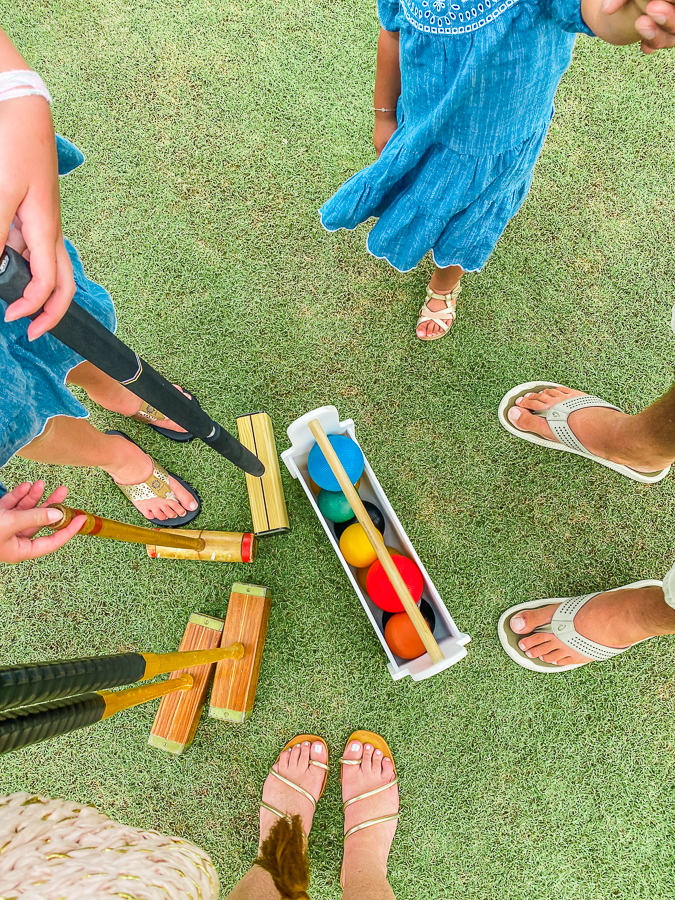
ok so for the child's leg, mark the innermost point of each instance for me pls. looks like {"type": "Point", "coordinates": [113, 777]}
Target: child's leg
{"type": "Point", "coordinates": [108, 393]}
{"type": "Point", "coordinates": [67, 441]}
{"type": "Point", "coordinates": [443, 281]}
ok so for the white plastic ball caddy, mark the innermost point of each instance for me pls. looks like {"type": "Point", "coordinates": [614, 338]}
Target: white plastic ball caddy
{"type": "Point", "coordinates": [451, 641]}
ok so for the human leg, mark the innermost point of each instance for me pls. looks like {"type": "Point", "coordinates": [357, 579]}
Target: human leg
{"type": "Point", "coordinates": [443, 281]}
{"type": "Point", "coordinates": [644, 442]}
{"type": "Point", "coordinates": [67, 441]}
{"type": "Point", "coordinates": [110, 394]}
{"type": "Point", "coordinates": [302, 765]}
{"type": "Point", "coordinates": [367, 850]}
{"type": "Point", "coordinates": [614, 619]}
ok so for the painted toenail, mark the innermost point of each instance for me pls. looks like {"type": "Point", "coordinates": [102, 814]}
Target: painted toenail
{"type": "Point", "coordinates": [318, 748]}
{"type": "Point", "coordinates": [305, 743]}
{"type": "Point", "coordinates": [355, 747]}
{"type": "Point", "coordinates": [368, 747]}
{"type": "Point", "coordinates": [386, 759]}
{"type": "Point", "coordinates": [378, 753]}
{"type": "Point", "coordinates": [529, 654]}
{"type": "Point", "coordinates": [517, 624]}
{"type": "Point", "coordinates": [514, 414]}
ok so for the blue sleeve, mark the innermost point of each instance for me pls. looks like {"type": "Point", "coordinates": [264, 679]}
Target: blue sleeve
{"type": "Point", "coordinates": [567, 15]}
{"type": "Point", "coordinates": [387, 13]}
{"type": "Point", "coordinates": [3, 489]}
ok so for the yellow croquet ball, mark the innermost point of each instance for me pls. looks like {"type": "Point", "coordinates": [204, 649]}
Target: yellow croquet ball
{"type": "Point", "coordinates": [356, 548]}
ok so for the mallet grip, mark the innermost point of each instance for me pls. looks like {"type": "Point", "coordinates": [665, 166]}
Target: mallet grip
{"type": "Point", "coordinates": [373, 535]}
{"type": "Point", "coordinates": [97, 526]}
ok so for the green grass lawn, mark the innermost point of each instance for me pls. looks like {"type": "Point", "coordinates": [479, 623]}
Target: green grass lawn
{"type": "Point", "coordinates": [213, 132]}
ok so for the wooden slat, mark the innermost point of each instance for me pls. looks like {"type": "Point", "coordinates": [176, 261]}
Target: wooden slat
{"type": "Point", "coordinates": [236, 681]}
{"type": "Point", "coordinates": [266, 494]}
{"type": "Point", "coordinates": [178, 714]}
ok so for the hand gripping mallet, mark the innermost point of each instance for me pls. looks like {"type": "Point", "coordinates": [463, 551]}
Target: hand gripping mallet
{"type": "Point", "coordinates": [84, 334]}
{"type": "Point", "coordinates": [373, 535]}
{"type": "Point", "coordinates": [209, 546]}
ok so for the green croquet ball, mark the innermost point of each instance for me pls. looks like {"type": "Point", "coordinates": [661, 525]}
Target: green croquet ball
{"type": "Point", "coordinates": [334, 506]}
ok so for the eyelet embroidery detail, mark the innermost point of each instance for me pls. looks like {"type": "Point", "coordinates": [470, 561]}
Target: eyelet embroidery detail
{"type": "Point", "coordinates": [423, 20]}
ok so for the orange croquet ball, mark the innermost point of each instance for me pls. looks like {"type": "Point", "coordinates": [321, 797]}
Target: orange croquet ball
{"type": "Point", "coordinates": [362, 574]}
{"type": "Point", "coordinates": [381, 591]}
{"type": "Point", "coordinates": [356, 548]}
{"type": "Point", "coordinates": [401, 637]}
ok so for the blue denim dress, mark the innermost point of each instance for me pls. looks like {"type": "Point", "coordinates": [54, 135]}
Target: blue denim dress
{"type": "Point", "coordinates": [33, 374]}
{"type": "Point", "coordinates": [477, 87]}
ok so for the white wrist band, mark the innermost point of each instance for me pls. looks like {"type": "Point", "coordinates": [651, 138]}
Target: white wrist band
{"type": "Point", "coordinates": [22, 83]}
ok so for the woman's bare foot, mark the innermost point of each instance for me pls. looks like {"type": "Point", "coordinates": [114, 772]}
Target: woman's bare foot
{"type": "Point", "coordinates": [135, 467]}
{"type": "Point", "coordinates": [294, 765]}
{"type": "Point", "coordinates": [613, 619]}
{"type": "Point", "coordinates": [603, 432]}
{"type": "Point", "coordinates": [368, 848]}
{"type": "Point", "coordinates": [443, 281]}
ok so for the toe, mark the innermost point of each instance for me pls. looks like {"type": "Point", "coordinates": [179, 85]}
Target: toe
{"type": "Point", "coordinates": [387, 768]}
{"type": "Point", "coordinates": [526, 620]}
{"type": "Point", "coordinates": [525, 421]}
{"type": "Point", "coordinates": [367, 756]}
{"type": "Point", "coordinates": [303, 758]}
{"type": "Point", "coordinates": [318, 752]}
{"type": "Point", "coordinates": [353, 750]}
{"type": "Point", "coordinates": [554, 656]}
{"type": "Point", "coordinates": [378, 756]}
{"type": "Point", "coordinates": [532, 643]}
{"type": "Point", "coordinates": [538, 651]}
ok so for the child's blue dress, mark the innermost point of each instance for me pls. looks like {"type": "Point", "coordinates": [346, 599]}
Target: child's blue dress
{"type": "Point", "coordinates": [477, 87]}
{"type": "Point", "coordinates": [33, 374]}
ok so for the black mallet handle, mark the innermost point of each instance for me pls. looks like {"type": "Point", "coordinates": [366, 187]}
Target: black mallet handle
{"type": "Point", "coordinates": [84, 334]}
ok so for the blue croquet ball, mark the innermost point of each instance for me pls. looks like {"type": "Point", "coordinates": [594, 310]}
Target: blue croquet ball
{"type": "Point", "coordinates": [373, 511]}
{"type": "Point", "coordinates": [348, 452]}
{"type": "Point", "coordinates": [334, 506]}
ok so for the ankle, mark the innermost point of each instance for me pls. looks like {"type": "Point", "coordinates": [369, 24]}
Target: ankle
{"type": "Point", "coordinates": [128, 464]}
{"type": "Point", "coordinates": [360, 856]}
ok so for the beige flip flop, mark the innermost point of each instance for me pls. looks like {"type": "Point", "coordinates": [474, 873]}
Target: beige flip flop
{"type": "Point", "coordinates": [438, 315]}
{"type": "Point", "coordinates": [562, 627]}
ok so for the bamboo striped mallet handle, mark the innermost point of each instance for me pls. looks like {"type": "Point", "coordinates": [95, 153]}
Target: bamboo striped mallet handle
{"type": "Point", "coordinates": [373, 535]}
{"type": "Point", "coordinates": [97, 526]}
{"type": "Point", "coordinates": [23, 727]}
{"type": "Point", "coordinates": [40, 682]}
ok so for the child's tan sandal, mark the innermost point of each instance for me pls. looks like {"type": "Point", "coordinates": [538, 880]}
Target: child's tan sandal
{"type": "Point", "coordinates": [299, 739]}
{"type": "Point", "coordinates": [438, 315]}
{"type": "Point", "coordinates": [148, 413]}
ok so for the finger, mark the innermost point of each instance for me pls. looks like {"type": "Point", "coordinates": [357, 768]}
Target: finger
{"type": "Point", "coordinates": [49, 543]}
{"type": "Point", "coordinates": [611, 6]}
{"type": "Point", "coordinates": [41, 240]}
{"type": "Point", "coordinates": [58, 303]}
{"type": "Point", "coordinates": [653, 37]}
{"type": "Point", "coordinates": [33, 497]}
{"type": "Point", "coordinates": [58, 496]}
{"type": "Point", "coordinates": [32, 520]}
{"type": "Point", "coordinates": [663, 14]}
{"type": "Point", "coordinates": [10, 500]}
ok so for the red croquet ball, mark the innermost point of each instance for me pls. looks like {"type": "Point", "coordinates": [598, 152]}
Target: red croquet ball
{"type": "Point", "coordinates": [401, 637]}
{"type": "Point", "coordinates": [380, 589]}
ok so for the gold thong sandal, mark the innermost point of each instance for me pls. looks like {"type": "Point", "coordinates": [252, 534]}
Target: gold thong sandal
{"type": "Point", "coordinates": [438, 315]}
{"type": "Point", "coordinates": [378, 743]}
{"type": "Point", "coordinates": [299, 739]}
{"type": "Point", "coordinates": [157, 485]}
{"type": "Point", "coordinates": [150, 414]}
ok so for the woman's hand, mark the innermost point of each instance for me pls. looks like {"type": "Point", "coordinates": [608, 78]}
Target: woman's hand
{"type": "Point", "coordinates": [385, 126]}
{"type": "Point", "coordinates": [21, 519]}
{"type": "Point", "coordinates": [29, 198]}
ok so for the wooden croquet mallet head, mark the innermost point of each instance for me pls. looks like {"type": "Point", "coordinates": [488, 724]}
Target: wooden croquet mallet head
{"type": "Point", "coordinates": [375, 538]}
{"type": "Point", "coordinates": [207, 546]}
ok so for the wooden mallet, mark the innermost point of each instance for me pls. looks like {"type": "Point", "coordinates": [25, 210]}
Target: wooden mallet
{"type": "Point", "coordinates": [207, 546]}
{"type": "Point", "coordinates": [373, 535]}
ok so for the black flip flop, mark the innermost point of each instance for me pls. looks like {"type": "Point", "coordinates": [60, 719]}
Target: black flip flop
{"type": "Point", "coordinates": [169, 523]}
{"type": "Point", "coordinates": [181, 437]}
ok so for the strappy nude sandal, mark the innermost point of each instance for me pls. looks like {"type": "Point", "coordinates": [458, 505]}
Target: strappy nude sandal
{"type": "Point", "coordinates": [438, 315]}
{"type": "Point", "coordinates": [150, 414]}
{"type": "Point", "coordinates": [378, 743]}
{"type": "Point", "coordinates": [299, 739]}
{"type": "Point", "coordinates": [157, 485]}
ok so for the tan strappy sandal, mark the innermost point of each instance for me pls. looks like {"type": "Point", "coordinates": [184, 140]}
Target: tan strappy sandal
{"type": "Point", "coordinates": [299, 739]}
{"type": "Point", "coordinates": [157, 485]}
{"type": "Point", "coordinates": [438, 315]}
{"type": "Point", "coordinates": [378, 743]}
